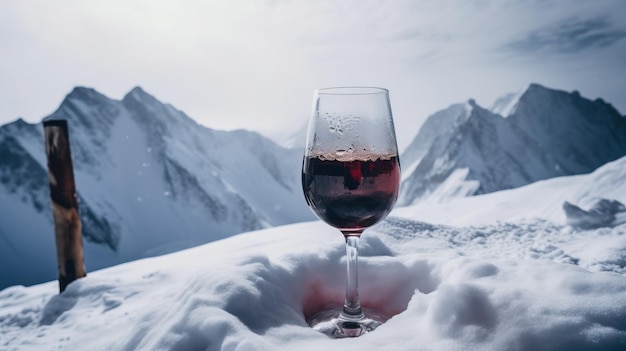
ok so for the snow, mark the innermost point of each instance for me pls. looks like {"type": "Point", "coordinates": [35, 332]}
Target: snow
{"type": "Point", "coordinates": [453, 187]}
{"type": "Point", "coordinates": [524, 285]}
{"type": "Point", "coordinates": [506, 105]}
{"type": "Point", "coordinates": [540, 200]}
{"type": "Point", "coordinates": [500, 271]}
{"type": "Point", "coordinates": [251, 292]}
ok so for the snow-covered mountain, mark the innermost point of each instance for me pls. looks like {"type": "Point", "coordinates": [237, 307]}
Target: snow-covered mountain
{"type": "Point", "coordinates": [538, 134]}
{"type": "Point", "coordinates": [516, 271]}
{"type": "Point", "coordinates": [149, 179]}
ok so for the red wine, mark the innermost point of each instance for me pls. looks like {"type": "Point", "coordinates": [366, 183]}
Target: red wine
{"type": "Point", "coordinates": [351, 195]}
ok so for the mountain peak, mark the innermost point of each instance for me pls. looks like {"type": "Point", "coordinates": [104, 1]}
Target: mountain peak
{"type": "Point", "coordinates": [19, 126]}
{"type": "Point", "coordinates": [137, 90]}
{"type": "Point", "coordinates": [79, 96]}
{"type": "Point", "coordinates": [506, 105]}
{"type": "Point", "coordinates": [544, 133]}
{"type": "Point", "coordinates": [535, 86]}
{"type": "Point", "coordinates": [20, 121]}
{"type": "Point", "coordinates": [83, 93]}
{"type": "Point", "coordinates": [137, 93]}
{"type": "Point", "coordinates": [535, 91]}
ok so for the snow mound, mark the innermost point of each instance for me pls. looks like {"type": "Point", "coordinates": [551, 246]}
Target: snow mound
{"type": "Point", "coordinates": [447, 289]}
{"type": "Point", "coordinates": [604, 213]}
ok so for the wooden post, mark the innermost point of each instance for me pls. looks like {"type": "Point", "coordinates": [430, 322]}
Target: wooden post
{"type": "Point", "coordinates": [67, 225]}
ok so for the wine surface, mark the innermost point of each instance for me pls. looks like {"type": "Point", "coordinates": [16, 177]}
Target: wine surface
{"type": "Point", "coordinates": [351, 195]}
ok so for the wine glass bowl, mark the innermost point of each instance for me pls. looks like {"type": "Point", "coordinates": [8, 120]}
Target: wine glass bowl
{"type": "Point", "coordinates": [351, 195]}
{"type": "Point", "coordinates": [350, 179]}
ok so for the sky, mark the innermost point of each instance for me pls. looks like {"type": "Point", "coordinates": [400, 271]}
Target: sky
{"type": "Point", "coordinates": [255, 64]}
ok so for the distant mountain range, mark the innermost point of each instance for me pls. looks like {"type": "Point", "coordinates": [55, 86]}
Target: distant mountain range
{"type": "Point", "coordinates": [150, 180]}
{"type": "Point", "coordinates": [537, 134]}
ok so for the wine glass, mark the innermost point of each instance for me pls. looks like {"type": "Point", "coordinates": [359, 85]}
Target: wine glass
{"type": "Point", "coordinates": [350, 179]}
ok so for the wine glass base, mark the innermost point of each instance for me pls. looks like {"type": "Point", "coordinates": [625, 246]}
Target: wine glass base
{"type": "Point", "coordinates": [335, 325]}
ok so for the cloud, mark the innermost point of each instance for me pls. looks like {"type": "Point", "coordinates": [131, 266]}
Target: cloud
{"type": "Point", "coordinates": [570, 36]}
{"type": "Point", "coordinates": [255, 64]}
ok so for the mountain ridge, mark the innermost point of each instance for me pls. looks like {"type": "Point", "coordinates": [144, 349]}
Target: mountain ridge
{"type": "Point", "coordinates": [149, 179]}
{"type": "Point", "coordinates": [547, 133]}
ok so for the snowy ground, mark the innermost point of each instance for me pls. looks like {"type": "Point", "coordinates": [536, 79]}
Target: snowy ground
{"type": "Point", "coordinates": [540, 200]}
{"type": "Point", "coordinates": [509, 275]}
{"type": "Point", "coordinates": [512, 286]}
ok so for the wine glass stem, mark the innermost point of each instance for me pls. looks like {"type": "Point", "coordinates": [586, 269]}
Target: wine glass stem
{"type": "Point", "coordinates": [352, 307]}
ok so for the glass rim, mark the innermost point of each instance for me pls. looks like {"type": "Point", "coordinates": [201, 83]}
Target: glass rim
{"type": "Point", "coordinates": [352, 90]}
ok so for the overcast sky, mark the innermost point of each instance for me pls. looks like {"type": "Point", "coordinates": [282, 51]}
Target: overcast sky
{"type": "Point", "coordinates": [255, 64]}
